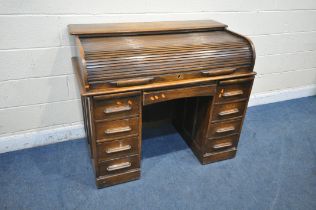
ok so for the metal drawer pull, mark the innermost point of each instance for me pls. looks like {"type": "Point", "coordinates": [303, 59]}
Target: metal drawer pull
{"type": "Point", "coordinates": [114, 109]}
{"type": "Point", "coordinates": [233, 93]}
{"type": "Point", "coordinates": [118, 149]}
{"type": "Point", "coordinates": [223, 145]}
{"type": "Point", "coordinates": [118, 166]}
{"type": "Point", "coordinates": [226, 129]}
{"type": "Point", "coordinates": [117, 130]}
{"type": "Point", "coordinates": [229, 112]}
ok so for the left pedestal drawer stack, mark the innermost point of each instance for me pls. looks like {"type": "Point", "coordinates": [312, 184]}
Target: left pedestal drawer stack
{"type": "Point", "coordinates": [113, 127]}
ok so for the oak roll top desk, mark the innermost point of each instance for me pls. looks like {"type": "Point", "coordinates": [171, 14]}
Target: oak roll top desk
{"type": "Point", "coordinates": [199, 68]}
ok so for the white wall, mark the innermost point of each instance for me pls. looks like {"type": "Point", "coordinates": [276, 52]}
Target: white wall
{"type": "Point", "coordinates": [37, 86]}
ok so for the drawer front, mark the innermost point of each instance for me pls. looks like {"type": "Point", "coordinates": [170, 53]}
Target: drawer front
{"type": "Point", "coordinates": [222, 129]}
{"type": "Point", "coordinates": [107, 130]}
{"type": "Point", "coordinates": [185, 92]}
{"type": "Point", "coordinates": [228, 110]}
{"type": "Point", "coordinates": [116, 108]}
{"type": "Point", "coordinates": [222, 144]}
{"type": "Point", "coordinates": [117, 148]}
{"type": "Point", "coordinates": [119, 165]}
{"type": "Point", "coordinates": [211, 157]}
{"type": "Point", "coordinates": [230, 90]}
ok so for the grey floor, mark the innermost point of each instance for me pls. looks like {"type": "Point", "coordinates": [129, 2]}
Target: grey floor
{"type": "Point", "coordinates": [275, 168]}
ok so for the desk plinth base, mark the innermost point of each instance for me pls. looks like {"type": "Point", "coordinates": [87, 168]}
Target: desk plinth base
{"type": "Point", "coordinates": [106, 181]}
{"type": "Point", "coordinates": [214, 157]}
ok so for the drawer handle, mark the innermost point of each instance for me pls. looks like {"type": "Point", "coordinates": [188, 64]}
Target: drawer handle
{"type": "Point", "coordinates": [118, 130]}
{"type": "Point", "coordinates": [229, 112]}
{"type": "Point", "coordinates": [131, 82]}
{"type": "Point", "coordinates": [118, 166]}
{"type": "Point", "coordinates": [233, 93]}
{"type": "Point", "coordinates": [118, 149]}
{"type": "Point", "coordinates": [226, 129]}
{"type": "Point", "coordinates": [223, 145]}
{"type": "Point", "coordinates": [217, 72]}
{"type": "Point", "coordinates": [234, 81]}
{"type": "Point", "coordinates": [115, 109]}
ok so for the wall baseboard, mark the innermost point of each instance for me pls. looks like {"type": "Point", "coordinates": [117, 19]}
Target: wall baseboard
{"type": "Point", "coordinates": [41, 138]}
{"type": "Point", "coordinates": [282, 95]}
{"type": "Point", "coordinates": [72, 132]}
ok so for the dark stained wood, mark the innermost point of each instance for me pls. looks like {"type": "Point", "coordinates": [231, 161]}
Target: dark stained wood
{"type": "Point", "coordinates": [114, 129]}
{"type": "Point", "coordinates": [171, 94]}
{"type": "Point", "coordinates": [197, 74]}
{"type": "Point", "coordinates": [222, 144]}
{"type": "Point", "coordinates": [235, 81]}
{"type": "Point", "coordinates": [232, 90]}
{"type": "Point", "coordinates": [218, 156]}
{"type": "Point", "coordinates": [224, 128]}
{"type": "Point", "coordinates": [116, 108]}
{"type": "Point", "coordinates": [229, 111]}
{"type": "Point", "coordinates": [119, 165]}
{"type": "Point", "coordinates": [132, 82]}
{"type": "Point", "coordinates": [166, 81]}
{"type": "Point", "coordinates": [91, 126]}
{"type": "Point", "coordinates": [154, 55]}
{"type": "Point", "coordinates": [118, 148]}
{"type": "Point", "coordinates": [218, 72]}
{"type": "Point", "coordinates": [106, 181]}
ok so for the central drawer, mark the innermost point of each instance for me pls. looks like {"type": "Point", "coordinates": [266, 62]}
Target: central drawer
{"type": "Point", "coordinates": [170, 94]}
{"type": "Point", "coordinates": [108, 130]}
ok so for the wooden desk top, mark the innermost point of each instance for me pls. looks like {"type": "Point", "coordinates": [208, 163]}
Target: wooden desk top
{"type": "Point", "coordinates": [141, 27]}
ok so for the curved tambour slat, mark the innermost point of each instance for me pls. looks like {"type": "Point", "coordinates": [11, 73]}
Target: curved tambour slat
{"type": "Point", "coordinates": [142, 58]}
{"type": "Point", "coordinates": [161, 63]}
{"type": "Point", "coordinates": [130, 66]}
{"type": "Point", "coordinates": [136, 61]}
{"type": "Point", "coordinates": [184, 66]}
{"type": "Point", "coordinates": [207, 59]}
{"type": "Point", "coordinates": [166, 71]}
{"type": "Point", "coordinates": [146, 58]}
{"type": "Point", "coordinates": [167, 48]}
{"type": "Point", "coordinates": [114, 44]}
{"type": "Point", "coordinates": [166, 53]}
{"type": "Point", "coordinates": [191, 66]}
{"type": "Point", "coordinates": [170, 64]}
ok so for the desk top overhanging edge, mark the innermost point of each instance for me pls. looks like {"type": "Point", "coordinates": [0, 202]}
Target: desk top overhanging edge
{"type": "Point", "coordinates": [144, 27]}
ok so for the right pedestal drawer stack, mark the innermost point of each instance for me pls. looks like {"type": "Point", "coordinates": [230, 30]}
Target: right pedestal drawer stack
{"type": "Point", "coordinates": [226, 119]}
